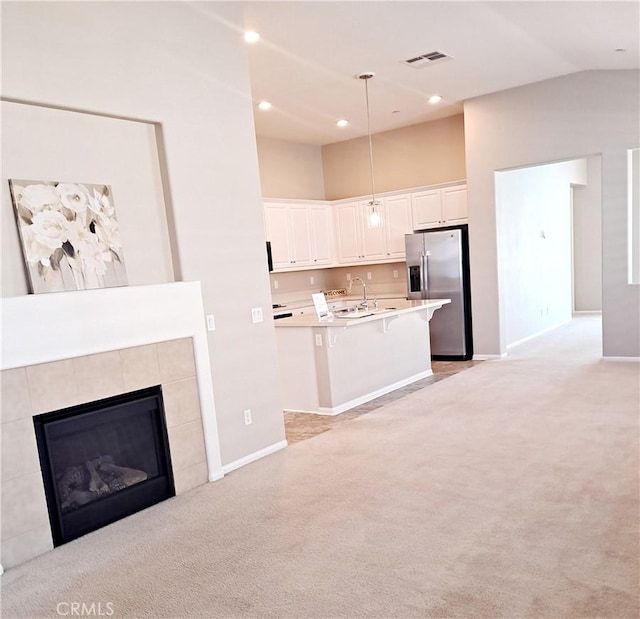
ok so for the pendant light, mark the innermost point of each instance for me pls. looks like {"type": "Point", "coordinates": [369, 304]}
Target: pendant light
{"type": "Point", "coordinates": [375, 215]}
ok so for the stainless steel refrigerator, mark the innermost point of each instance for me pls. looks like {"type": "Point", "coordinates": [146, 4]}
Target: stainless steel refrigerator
{"type": "Point", "coordinates": [438, 268]}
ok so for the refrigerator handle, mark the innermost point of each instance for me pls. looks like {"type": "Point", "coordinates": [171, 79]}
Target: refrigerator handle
{"type": "Point", "coordinates": [425, 274]}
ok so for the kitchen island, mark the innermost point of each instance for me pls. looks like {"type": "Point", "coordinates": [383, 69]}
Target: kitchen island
{"type": "Point", "coordinates": [330, 365]}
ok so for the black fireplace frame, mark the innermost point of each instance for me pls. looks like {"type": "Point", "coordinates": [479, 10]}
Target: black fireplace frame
{"type": "Point", "coordinates": [125, 502]}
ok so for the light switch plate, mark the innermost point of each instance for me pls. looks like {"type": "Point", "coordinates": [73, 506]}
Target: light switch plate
{"type": "Point", "coordinates": [211, 323]}
{"type": "Point", "coordinates": [256, 314]}
{"type": "Point", "coordinates": [318, 339]}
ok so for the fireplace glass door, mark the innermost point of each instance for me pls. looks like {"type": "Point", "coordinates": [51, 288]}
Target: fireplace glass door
{"type": "Point", "coordinates": [103, 461]}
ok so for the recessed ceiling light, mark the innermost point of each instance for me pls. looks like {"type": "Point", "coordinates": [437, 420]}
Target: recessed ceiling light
{"type": "Point", "coordinates": [264, 105]}
{"type": "Point", "coordinates": [342, 122]}
{"type": "Point", "coordinates": [251, 36]}
{"type": "Point", "coordinates": [435, 99]}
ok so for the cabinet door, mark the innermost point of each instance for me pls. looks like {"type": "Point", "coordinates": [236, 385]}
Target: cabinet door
{"type": "Point", "coordinates": [347, 217]}
{"type": "Point", "coordinates": [454, 203]}
{"type": "Point", "coordinates": [321, 235]}
{"type": "Point", "coordinates": [374, 245]}
{"type": "Point", "coordinates": [277, 224]}
{"type": "Point", "coordinates": [299, 235]}
{"type": "Point", "coordinates": [426, 209]}
{"type": "Point", "coordinates": [397, 223]}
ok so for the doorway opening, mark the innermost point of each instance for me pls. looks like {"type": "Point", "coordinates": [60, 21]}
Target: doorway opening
{"type": "Point", "coordinates": [549, 241]}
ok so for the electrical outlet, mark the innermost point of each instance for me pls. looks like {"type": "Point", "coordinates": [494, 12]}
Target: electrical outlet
{"type": "Point", "coordinates": [247, 417]}
{"type": "Point", "coordinates": [348, 277]}
{"type": "Point", "coordinates": [312, 280]}
{"type": "Point", "coordinates": [318, 339]}
{"type": "Point", "coordinates": [395, 273]}
{"type": "Point", "coordinates": [275, 284]}
{"type": "Point", "coordinates": [211, 323]}
{"type": "Point", "coordinates": [256, 314]}
{"type": "Point", "coordinates": [369, 276]}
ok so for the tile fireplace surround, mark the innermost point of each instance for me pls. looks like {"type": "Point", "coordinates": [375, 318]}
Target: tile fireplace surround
{"type": "Point", "coordinates": [58, 381]}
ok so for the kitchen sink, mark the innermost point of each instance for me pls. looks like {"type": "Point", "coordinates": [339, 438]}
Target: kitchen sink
{"type": "Point", "coordinates": [352, 315]}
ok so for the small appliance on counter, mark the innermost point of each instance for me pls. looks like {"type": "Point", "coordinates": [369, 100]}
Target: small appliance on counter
{"type": "Point", "coordinates": [281, 312]}
{"type": "Point", "coordinates": [438, 268]}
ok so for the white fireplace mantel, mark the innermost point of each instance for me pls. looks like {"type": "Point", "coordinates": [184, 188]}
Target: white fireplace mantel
{"type": "Point", "coordinates": [50, 327]}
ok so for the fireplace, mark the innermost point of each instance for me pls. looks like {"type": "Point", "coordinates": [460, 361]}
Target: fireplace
{"type": "Point", "coordinates": [103, 460]}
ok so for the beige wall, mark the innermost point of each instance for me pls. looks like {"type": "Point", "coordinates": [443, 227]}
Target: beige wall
{"type": "Point", "coordinates": [389, 278]}
{"type": "Point", "coordinates": [289, 169]}
{"type": "Point", "coordinates": [183, 66]}
{"type": "Point", "coordinates": [424, 154]}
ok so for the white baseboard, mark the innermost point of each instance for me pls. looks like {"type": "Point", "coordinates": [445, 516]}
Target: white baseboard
{"type": "Point", "coordinates": [336, 410]}
{"type": "Point", "coordinates": [219, 474]}
{"type": "Point", "coordinates": [583, 312]}
{"type": "Point", "coordinates": [232, 466]}
{"type": "Point", "coordinates": [489, 357]}
{"type": "Point", "coordinates": [537, 334]}
{"type": "Point", "coordinates": [623, 359]}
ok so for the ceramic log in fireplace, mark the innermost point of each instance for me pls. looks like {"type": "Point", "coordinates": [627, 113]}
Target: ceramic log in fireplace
{"type": "Point", "coordinates": [103, 461]}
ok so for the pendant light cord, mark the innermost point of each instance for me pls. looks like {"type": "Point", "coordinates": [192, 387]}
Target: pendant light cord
{"type": "Point", "coordinates": [373, 191]}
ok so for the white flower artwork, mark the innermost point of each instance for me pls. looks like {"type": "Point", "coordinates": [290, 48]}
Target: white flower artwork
{"type": "Point", "coordinates": [70, 235]}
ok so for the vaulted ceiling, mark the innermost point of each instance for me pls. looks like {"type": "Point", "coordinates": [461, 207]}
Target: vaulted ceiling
{"type": "Point", "coordinates": [310, 52]}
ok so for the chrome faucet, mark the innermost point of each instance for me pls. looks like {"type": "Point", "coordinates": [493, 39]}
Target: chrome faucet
{"type": "Point", "coordinates": [364, 303]}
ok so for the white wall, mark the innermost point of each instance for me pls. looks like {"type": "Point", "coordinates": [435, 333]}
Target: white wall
{"type": "Point", "coordinates": [39, 143]}
{"type": "Point", "coordinates": [588, 113]}
{"type": "Point", "coordinates": [184, 66]}
{"type": "Point", "coordinates": [534, 213]}
{"type": "Point", "coordinates": [587, 240]}
{"type": "Point", "coordinates": [634, 215]}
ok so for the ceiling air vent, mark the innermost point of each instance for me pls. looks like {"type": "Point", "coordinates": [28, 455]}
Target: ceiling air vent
{"type": "Point", "coordinates": [427, 59]}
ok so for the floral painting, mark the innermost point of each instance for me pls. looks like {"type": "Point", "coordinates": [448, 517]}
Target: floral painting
{"type": "Point", "coordinates": [69, 234]}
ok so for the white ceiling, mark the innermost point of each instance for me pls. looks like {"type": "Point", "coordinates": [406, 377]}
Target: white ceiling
{"type": "Point", "coordinates": [310, 52]}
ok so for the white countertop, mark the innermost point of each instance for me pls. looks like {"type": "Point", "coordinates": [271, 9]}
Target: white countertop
{"type": "Point", "coordinates": [386, 309]}
{"type": "Point", "coordinates": [346, 299]}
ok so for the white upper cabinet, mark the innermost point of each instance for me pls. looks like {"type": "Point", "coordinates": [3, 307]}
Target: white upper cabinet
{"type": "Point", "coordinates": [276, 218]}
{"type": "Point", "coordinates": [301, 236]}
{"type": "Point", "coordinates": [454, 204]}
{"type": "Point", "coordinates": [444, 206]}
{"type": "Point", "coordinates": [359, 241]}
{"type": "Point", "coordinates": [315, 234]}
{"type": "Point", "coordinates": [374, 246]}
{"type": "Point", "coordinates": [321, 234]}
{"type": "Point", "coordinates": [348, 237]}
{"type": "Point", "coordinates": [397, 223]}
{"type": "Point", "coordinates": [426, 209]}
{"type": "Point", "coordinates": [356, 240]}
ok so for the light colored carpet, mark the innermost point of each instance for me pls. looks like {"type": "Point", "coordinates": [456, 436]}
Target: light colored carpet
{"type": "Point", "coordinates": [508, 490]}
